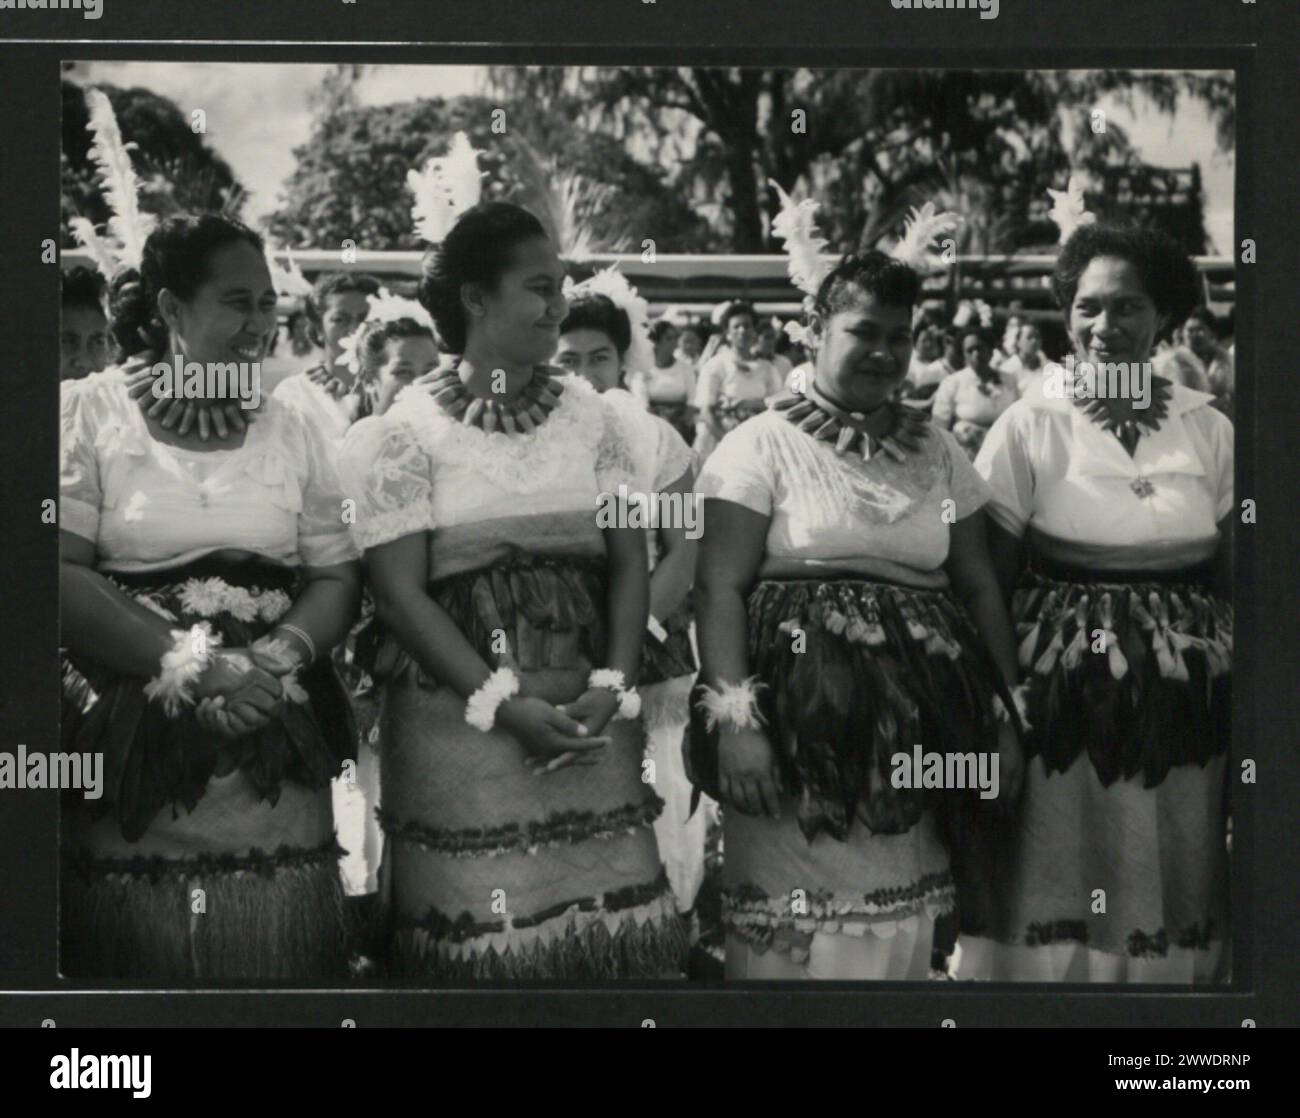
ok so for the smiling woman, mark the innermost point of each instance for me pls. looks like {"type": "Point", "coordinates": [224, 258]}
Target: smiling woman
{"type": "Point", "coordinates": [831, 572]}
{"type": "Point", "coordinates": [1115, 519]}
{"type": "Point", "coordinates": [225, 574]}
{"type": "Point", "coordinates": [507, 640]}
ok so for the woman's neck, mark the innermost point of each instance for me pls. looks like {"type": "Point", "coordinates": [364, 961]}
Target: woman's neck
{"type": "Point", "coordinates": [665, 362]}
{"type": "Point", "coordinates": [479, 374]}
{"type": "Point", "coordinates": [870, 419]}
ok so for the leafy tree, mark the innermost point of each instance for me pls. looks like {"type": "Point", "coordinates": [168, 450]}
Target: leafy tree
{"type": "Point", "coordinates": [867, 143]}
{"type": "Point", "coordinates": [350, 179]}
{"type": "Point", "coordinates": [178, 172]}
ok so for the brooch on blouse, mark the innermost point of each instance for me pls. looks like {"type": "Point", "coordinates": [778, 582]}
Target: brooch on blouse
{"type": "Point", "coordinates": [811, 412]}
{"type": "Point", "coordinates": [522, 415]}
{"type": "Point", "coordinates": [1142, 487]}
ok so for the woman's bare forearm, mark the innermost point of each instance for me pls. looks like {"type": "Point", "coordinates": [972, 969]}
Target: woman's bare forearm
{"type": "Point", "coordinates": [628, 600]}
{"type": "Point", "coordinates": [428, 634]}
{"type": "Point", "coordinates": [328, 605]}
{"type": "Point", "coordinates": [722, 623]}
{"type": "Point", "coordinates": [98, 621]}
{"type": "Point", "coordinates": [671, 580]}
{"type": "Point", "coordinates": [1006, 552]}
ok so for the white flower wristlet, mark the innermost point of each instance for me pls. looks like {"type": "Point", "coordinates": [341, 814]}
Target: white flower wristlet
{"type": "Point", "coordinates": [181, 666]}
{"type": "Point", "coordinates": [733, 706]}
{"type": "Point", "coordinates": [629, 700]}
{"type": "Point", "coordinates": [481, 707]}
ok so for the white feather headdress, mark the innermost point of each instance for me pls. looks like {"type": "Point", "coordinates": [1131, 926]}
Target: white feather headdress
{"type": "Point", "coordinates": [384, 307]}
{"type": "Point", "coordinates": [128, 225]}
{"type": "Point", "coordinates": [613, 284]}
{"type": "Point", "coordinates": [287, 280]}
{"type": "Point", "coordinates": [1069, 210]}
{"type": "Point", "coordinates": [796, 226]}
{"type": "Point", "coordinates": [444, 189]}
{"type": "Point", "coordinates": [925, 226]}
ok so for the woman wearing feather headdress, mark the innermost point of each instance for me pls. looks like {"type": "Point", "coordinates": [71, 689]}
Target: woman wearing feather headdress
{"type": "Point", "coordinates": [596, 341]}
{"type": "Point", "coordinates": [224, 573]}
{"type": "Point", "coordinates": [519, 838]}
{"type": "Point", "coordinates": [840, 530]}
{"type": "Point", "coordinates": [1112, 516]}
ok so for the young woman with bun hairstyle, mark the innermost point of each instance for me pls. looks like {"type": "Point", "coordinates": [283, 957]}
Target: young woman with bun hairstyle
{"type": "Point", "coordinates": [508, 640]}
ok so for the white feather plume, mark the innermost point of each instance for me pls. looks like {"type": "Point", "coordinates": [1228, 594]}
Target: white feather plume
{"type": "Point", "coordinates": [387, 307]}
{"type": "Point", "coordinates": [1069, 210]}
{"type": "Point", "coordinates": [127, 223]}
{"type": "Point", "coordinates": [611, 283]}
{"type": "Point", "coordinates": [100, 250]}
{"type": "Point", "coordinates": [924, 226]}
{"type": "Point", "coordinates": [444, 189]}
{"type": "Point", "coordinates": [287, 279]}
{"type": "Point", "coordinates": [795, 226]}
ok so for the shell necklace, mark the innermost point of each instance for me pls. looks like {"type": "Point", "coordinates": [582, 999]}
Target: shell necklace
{"type": "Point", "coordinates": [520, 416]}
{"type": "Point", "coordinates": [813, 413]}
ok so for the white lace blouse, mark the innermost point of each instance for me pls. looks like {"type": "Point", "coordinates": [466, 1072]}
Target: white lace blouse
{"type": "Point", "coordinates": [825, 507]}
{"type": "Point", "coordinates": [146, 505]}
{"type": "Point", "coordinates": [1053, 469]}
{"type": "Point", "coordinates": [416, 469]}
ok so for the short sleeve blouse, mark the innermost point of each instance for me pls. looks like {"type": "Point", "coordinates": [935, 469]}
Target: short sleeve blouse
{"type": "Point", "coordinates": [1048, 465]}
{"type": "Point", "coordinates": [145, 504]}
{"type": "Point", "coordinates": [824, 506]}
{"type": "Point", "coordinates": [416, 469]}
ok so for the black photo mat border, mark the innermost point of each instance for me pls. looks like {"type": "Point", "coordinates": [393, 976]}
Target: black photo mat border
{"type": "Point", "coordinates": [1258, 45]}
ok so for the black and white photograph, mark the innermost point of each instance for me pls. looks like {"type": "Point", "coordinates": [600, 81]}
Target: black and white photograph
{"type": "Point", "coordinates": [606, 523]}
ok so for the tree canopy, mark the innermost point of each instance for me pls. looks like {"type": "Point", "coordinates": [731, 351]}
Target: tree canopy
{"type": "Point", "coordinates": [177, 169]}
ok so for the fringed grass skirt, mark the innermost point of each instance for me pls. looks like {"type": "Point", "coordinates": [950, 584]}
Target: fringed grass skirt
{"type": "Point", "coordinates": [1116, 870]}
{"type": "Point", "coordinates": [246, 821]}
{"type": "Point", "coordinates": [235, 890]}
{"type": "Point", "coordinates": [854, 673]}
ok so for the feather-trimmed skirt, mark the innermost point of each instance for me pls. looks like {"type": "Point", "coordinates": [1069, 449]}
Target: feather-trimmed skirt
{"type": "Point", "coordinates": [1116, 869]}
{"type": "Point", "coordinates": [854, 674]}
{"type": "Point", "coordinates": [491, 871]}
{"type": "Point", "coordinates": [245, 822]}
{"type": "Point", "coordinates": [667, 674]}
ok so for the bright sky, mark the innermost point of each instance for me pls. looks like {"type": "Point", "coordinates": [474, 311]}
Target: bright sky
{"type": "Point", "coordinates": [257, 114]}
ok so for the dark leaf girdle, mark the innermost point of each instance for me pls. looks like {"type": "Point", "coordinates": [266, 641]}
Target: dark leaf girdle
{"type": "Point", "coordinates": [255, 861]}
{"type": "Point", "coordinates": [464, 927]}
{"type": "Point", "coordinates": [559, 829]}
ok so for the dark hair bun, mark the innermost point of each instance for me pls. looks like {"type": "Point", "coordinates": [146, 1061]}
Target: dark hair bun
{"type": "Point", "coordinates": [478, 249]}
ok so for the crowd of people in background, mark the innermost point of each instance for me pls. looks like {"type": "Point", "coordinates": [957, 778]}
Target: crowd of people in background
{"type": "Point", "coordinates": [711, 372]}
